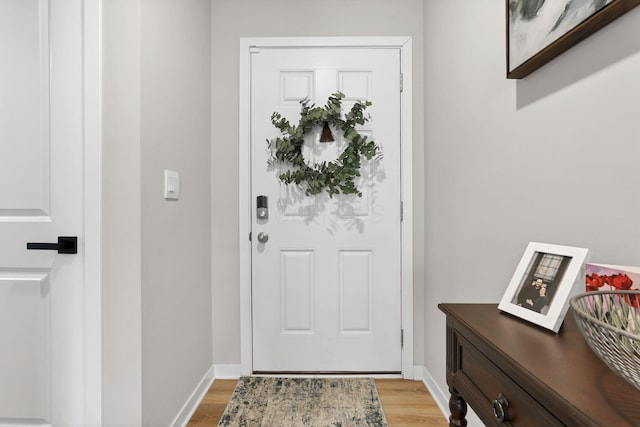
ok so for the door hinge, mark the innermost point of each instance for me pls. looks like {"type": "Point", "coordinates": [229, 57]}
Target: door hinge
{"type": "Point", "coordinates": [401, 211]}
{"type": "Point", "coordinates": [249, 236]}
{"type": "Point", "coordinates": [401, 82]}
{"type": "Point", "coordinates": [401, 338]}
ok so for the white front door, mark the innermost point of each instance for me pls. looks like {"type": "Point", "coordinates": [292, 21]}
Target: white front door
{"type": "Point", "coordinates": [326, 286]}
{"type": "Point", "coordinates": [41, 198]}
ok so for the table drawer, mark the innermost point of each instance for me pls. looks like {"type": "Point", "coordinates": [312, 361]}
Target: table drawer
{"type": "Point", "coordinates": [486, 382]}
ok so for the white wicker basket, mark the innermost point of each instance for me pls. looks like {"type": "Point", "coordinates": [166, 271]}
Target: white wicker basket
{"type": "Point", "coordinates": [610, 322]}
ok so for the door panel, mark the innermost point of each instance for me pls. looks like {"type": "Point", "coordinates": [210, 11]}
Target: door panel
{"type": "Point", "coordinates": [356, 291]}
{"type": "Point", "coordinates": [298, 296]}
{"type": "Point", "coordinates": [24, 107]}
{"type": "Point", "coordinates": [41, 182]}
{"type": "Point", "coordinates": [25, 309]}
{"type": "Point", "coordinates": [326, 285]}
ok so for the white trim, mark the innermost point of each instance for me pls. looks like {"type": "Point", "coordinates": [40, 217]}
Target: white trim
{"type": "Point", "coordinates": [227, 372]}
{"type": "Point", "coordinates": [246, 345]}
{"type": "Point", "coordinates": [418, 372]}
{"type": "Point", "coordinates": [441, 398]}
{"type": "Point", "coordinates": [92, 93]}
{"type": "Point", "coordinates": [405, 46]}
{"type": "Point", "coordinates": [192, 403]}
{"type": "Point", "coordinates": [406, 178]}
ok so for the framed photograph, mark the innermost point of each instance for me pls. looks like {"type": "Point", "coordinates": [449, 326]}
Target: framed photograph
{"type": "Point", "coordinates": [544, 281]}
{"type": "Point", "coordinates": [540, 30]}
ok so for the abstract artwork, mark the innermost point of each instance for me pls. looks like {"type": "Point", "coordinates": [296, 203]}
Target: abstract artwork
{"type": "Point", "coordinates": [540, 30]}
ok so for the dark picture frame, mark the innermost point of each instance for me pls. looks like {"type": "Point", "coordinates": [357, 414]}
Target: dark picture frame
{"type": "Point", "coordinates": [536, 35]}
{"type": "Point", "coordinates": [544, 281]}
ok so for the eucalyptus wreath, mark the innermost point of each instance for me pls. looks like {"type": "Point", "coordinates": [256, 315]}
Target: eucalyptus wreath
{"type": "Point", "coordinates": [337, 176]}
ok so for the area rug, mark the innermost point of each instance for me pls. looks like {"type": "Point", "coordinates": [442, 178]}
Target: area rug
{"type": "Point", "coordinates": [304, 402]}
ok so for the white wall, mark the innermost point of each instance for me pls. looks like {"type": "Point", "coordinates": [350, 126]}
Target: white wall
{"type": "Point", "coordinates": [551, 158]}
{"type": "Point", "coordinates": [233, 19]}
{"type": "Point", "coordinates": [176, 235]}
{"type": "Point", "coordinates": [157, 275]}
{"type": "Point", "coordinates": [121, 227]}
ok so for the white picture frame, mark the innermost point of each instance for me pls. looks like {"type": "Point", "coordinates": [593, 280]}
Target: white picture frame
{"type": "Point", "coordinates": [546, 278]}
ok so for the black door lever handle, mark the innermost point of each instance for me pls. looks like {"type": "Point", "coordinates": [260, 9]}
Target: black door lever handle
{"type": "Point", "coordinates": [65, 245]}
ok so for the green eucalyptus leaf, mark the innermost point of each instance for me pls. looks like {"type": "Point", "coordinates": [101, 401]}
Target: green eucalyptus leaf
{"type": "Point", "coordinates": [333, 177]}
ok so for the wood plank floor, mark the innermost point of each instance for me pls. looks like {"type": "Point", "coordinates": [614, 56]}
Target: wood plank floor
{"type": "Point", "coordinates": [406, 404]}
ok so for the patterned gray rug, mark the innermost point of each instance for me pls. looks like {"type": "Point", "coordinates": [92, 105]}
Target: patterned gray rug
{"type": "Point", "coordinates": [304, 402]}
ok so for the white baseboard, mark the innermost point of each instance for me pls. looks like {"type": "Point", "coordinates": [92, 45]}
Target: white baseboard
{"type": "Point", "coordinates": [418, 373]}
{"type": "Point", "coordinates": [194, 400]}
{"type": "Point", "coordinates": [442, 398]}
{"type": "Point", "coordinates": [227, 372]}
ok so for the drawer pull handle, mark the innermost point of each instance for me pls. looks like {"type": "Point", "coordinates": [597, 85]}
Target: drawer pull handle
{"type": "Point", "coordinates": [500, 406]}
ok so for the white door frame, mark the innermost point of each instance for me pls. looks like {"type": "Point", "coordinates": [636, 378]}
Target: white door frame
{"type": "Point", "coordinates": [92, 143]}
{"type": "Point", "coordinates": [406, 176]}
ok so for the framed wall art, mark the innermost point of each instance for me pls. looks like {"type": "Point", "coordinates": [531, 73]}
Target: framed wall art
{"type": "Point", "coordinates": [545, 279]}
{"type": "Point", "coordinates": [540, 30]}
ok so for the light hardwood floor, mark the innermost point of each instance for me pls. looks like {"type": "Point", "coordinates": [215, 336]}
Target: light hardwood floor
{"type": "Point", "coordinates": [405, 403]}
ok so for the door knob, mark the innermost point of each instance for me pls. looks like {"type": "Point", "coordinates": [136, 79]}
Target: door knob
{"type": "Point", "coordinates": [65, 245]}
{"type": "Point", "coordinates": [500, 406]}
{"type": "Point", "coordinates": [263, 237]}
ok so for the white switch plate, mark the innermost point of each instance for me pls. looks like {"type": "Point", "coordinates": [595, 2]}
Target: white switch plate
{"type": "Point", "coordinates": [171, 185]}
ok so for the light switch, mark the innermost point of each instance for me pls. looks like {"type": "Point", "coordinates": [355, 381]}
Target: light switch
{"type": "Point", "coordinates": [171, 185]}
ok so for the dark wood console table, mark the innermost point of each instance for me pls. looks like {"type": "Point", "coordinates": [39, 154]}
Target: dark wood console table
{"type": "Point", "coordinates": [502, 365]}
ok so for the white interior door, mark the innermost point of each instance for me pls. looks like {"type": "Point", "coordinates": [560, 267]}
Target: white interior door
{"type": "Point", "coordinates": [326, 286]}
{"type": "Point", "coordinates": [41, 182]}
